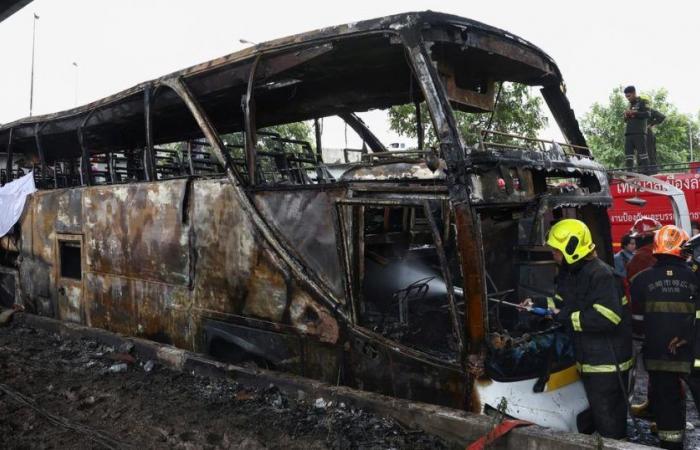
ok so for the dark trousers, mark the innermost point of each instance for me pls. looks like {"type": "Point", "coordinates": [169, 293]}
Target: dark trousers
{"type": "Point", "coordinates": [636, 142]}
{"type": "Point", "coordinates": [608, 403]}
{"type": "Point", "coordinates": [693, 382]}
{"type": "Point", "coordinates": [651, 151]}
{"type": "Point", "coordinates": [669, 408]}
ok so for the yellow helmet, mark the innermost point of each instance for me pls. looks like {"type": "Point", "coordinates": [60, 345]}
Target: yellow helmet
{"type": "Point", "coordinates": [571, 237]}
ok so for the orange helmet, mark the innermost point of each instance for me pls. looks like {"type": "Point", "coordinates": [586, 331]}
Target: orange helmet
{"type": "Point", "coordinates": [669, 240]}
{"type": "Point", "coordinates": [644, 226]}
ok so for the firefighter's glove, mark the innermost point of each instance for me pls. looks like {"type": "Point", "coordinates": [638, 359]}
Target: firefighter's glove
{"type": "Point", "coordinates": [676, 343]}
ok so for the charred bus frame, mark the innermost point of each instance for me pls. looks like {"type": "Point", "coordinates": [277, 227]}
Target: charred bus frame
{"type": "Point", "coordinates": [262, 254]}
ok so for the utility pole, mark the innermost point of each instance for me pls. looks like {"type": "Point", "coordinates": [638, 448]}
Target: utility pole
{"type": "Point", "coordinates": [31, 85]}
{"type": "Point", "coordinates": [75, 64]}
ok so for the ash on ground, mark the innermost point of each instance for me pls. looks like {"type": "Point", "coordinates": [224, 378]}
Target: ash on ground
{"type": "Point", "coordinates": [647, 437]}
{"type": "Point", "coordinates": [76, 394]}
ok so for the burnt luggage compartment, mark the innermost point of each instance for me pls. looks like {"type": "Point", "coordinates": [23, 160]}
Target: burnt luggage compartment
{"type": "Point", "coordinates": [185, 210]}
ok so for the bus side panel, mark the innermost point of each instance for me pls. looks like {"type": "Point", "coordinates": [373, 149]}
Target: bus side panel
{"type": "Point", "coordinates": [138, 231]}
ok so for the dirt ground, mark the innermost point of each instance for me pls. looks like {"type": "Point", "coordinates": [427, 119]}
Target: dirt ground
{"type": "Point", "coordinates": [69, 394]}
{"type": "Point", "coordinates": [58, 393]}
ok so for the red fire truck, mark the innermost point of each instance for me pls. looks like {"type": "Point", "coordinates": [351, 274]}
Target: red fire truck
{"type": "Point", "coordinates": [634, 200]}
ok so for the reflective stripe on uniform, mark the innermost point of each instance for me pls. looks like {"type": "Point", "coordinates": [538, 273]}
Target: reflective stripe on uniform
{"type": "Point", "coordinates": [697, 363]}
{"type": "Point", "coordinates": [576, 320]}
{"type": "Point", "coordinates": [624, 300]}
{"type": "Point", "coordinates": [670, 307]}
{"type": "Point", "coordinates": [697, 314]}
{"type": "Point", "coordinates": [550, 303]}
{"type": "Point", "coordinates": [671, 435]}
{"type": "Point", "coordinates": [604, 368]}
{"type": "Point", "coordinates": [638, 317]}
{"type": "Point", "coordinates": [667, 366]}
{"type": "Point", "coordinates": [607, 313]}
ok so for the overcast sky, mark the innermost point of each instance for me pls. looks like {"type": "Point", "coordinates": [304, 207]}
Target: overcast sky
{"type": "Point", "coordinates": [597, 44]}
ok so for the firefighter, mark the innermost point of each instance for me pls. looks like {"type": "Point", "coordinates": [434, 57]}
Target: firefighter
{"type": "Point", "coordinates": [655, 118]}
{"type": "Point", "coordinates": [636, 117]}
{"type": "Point", "coordinates": [591, 308]}
{"type": "Point", "coordinates": [692, 249]}
{"type": "Point", "coordinates": [643, 232]}
{"type": "Point", "coordinates": [667, 291]}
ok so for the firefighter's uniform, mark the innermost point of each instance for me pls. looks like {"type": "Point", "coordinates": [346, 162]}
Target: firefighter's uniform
{"type": "Point", "coordinates": [592, 308]}
{"type": "Point", "coordinates": [636, 134]}
{"type": "Point", "coordinates": [666, 292]}
{"type": "Point", "coordinates": [693, 379]}
{"type": "Point", "coordinates": [643, 232]}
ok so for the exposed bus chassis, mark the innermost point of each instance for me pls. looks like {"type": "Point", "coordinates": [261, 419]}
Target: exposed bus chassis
{"type": "Point", "coordinates": [376, 277]}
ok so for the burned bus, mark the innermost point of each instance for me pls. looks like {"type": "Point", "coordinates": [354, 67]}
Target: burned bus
{"type": "Point", "coordinates": [178, 211]}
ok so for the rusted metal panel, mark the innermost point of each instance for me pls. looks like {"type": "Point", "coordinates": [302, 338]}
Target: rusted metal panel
{"type": "Point", "coordinates": [267, 293]}
{"type": "Point", "coordinates": [312, 319]}
{"type": "Point", "coordinates": [306, 220]}
{"type": "Point", "coordinates": [224, 247]}
{"type": "Point", "coordinates": [137, 230]}
{"type": "Point", "coordinates": [376, 364]}
{"type": "Point", "coordinates": [70, 302]}
{"type": "Point", "coordinates": [140, 308]}
{"type": "Point", "coordinates": [69, 218]}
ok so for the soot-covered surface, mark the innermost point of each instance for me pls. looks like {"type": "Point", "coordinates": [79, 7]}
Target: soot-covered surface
{"type": "Point", "coordinates": [76, 394]}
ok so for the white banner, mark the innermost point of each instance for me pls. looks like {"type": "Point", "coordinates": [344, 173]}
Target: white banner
{"type": "Point", "coordinates": [12, 198]}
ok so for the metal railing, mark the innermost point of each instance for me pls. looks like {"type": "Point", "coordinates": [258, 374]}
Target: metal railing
{"type": "Point", "coordinates": [530, 143]}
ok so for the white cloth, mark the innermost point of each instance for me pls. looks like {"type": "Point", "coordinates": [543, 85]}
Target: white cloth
{"type": "Point", "coordinates": [12, 198]}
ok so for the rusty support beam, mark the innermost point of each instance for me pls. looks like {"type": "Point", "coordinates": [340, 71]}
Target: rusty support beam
{"type": "Point", "coordinates": [469, 242]}
{"type": "Point", "coordinates": [251, 138]}
{"type": "Point", "coordinates": [345, 240]}
{"type": "Point", "coordinates": [420, 132]}
{"type": "Point", "coordinates": [40, 150]}
{"type": "Point", "coordinates": [190, 165]}
{"type": "Point", "coordinates": [447, 277]}
{"type": "Point", "coordinates": [319, 148]}
{"type": "Point", "coordinates": [148, 153]}
{"type": "Point", "coordinates": [470, 247]}
{"type": "Point", "coordinates": [85, 172]}
{"type": "Point", "coordinates": [8, 166]}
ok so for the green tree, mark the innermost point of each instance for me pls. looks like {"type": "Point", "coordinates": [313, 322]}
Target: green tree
{"type": "Point", "coordinates": [517, 112]}
{"type": "Point", "coordinates": [301, 131]}
{"type": "Point", "coordinates": [604, 129]}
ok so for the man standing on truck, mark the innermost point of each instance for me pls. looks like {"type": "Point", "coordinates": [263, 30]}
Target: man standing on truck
{"type": "Point", "coordinates": [667, 292]}
{"type": "Point", "coordinates": [592, 309]}
{"type": "Point", "coordinates": [636, 117]}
